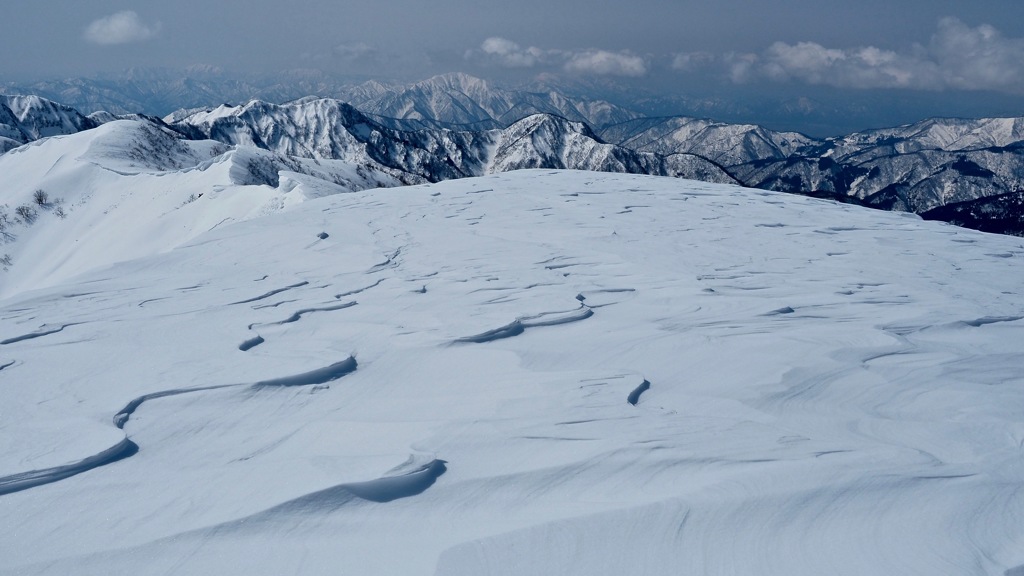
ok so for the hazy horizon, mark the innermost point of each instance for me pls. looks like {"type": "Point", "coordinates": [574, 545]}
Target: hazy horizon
{"type": "Point", "coordinates": [856, 64]}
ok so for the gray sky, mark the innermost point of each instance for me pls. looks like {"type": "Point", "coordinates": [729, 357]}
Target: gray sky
{"type": "Point", "coordinates": [924, 47]}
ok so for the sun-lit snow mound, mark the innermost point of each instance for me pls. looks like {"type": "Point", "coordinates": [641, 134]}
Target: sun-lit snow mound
{"type": "Point", "coordinates": [529, 373]}
{"type": "Point", "coordinates": [132, 147]}
{"type": "Point", "coordinates": [132, 188]}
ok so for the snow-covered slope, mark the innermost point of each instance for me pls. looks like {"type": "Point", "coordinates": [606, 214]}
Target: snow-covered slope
{"type": "Point", "coordinates": [529, 373]}
{"type": "Point", "coordinates": [130, 188]}
{"type": "Point", "coordinates": [262, 157]}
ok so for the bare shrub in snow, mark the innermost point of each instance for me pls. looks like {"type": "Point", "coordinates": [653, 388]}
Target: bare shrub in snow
{"type": "Point", "coordinates": [27, 213]}
{"type": "Point", "coordinates": [5, 222]}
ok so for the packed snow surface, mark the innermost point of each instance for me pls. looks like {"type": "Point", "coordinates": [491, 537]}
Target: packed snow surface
{"type": "Point", "coordinates": [528, 373]}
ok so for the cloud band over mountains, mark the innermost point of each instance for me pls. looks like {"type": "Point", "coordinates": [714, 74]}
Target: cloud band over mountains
{"type": "Point", "coordinates": [508, 54]}
{"type": "Point", "coordinates": [120, 28]}
{"type": "Point", "coordinates": [958, 57]}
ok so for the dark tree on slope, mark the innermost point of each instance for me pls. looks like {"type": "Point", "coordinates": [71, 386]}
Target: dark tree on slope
{"type": "Point", "coordinates": [26, 213]}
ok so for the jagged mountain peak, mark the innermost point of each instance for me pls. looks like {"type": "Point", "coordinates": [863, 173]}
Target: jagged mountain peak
{"type": "Point", "coordinates": [368, 91]}
{"type": "Point", "coordinates": [553, 124]}
{"type": "Point", "coordinates": [454, 81]}
{"type": "Point", "coordinates": [27, 118]}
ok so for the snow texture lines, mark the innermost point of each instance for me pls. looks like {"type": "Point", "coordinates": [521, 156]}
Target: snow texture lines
{"type": "Point", "coordinates": [43, 331]}
{"type": "Point", "coordinates": [318, 376]}
{"type": "Point", "coordinates": [383, 490]}
{"type": "Point", "coordinates": [271, 293]}
{"type": "Point", "coordinates": [380, 490]}
{"type": "Point", "coordinates": [31, 479]}
{"type": "Point", "coordinates": [298, 314]}
{"type": "Point", "coordinates": [518, 326]}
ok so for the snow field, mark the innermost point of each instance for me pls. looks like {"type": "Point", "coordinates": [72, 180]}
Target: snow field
{"type": "Point", "coordinates": [829, 389]}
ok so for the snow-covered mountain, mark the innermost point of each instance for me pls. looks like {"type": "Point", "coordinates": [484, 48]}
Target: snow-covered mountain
{"type": "Point", "coordinates": [324, 129]}
{"type": "Point", "coordinates": [132, 187]}
{"type": "Point", "coordinates": [727, 144]}
{"type": "Point", "coordinates": [946, 134]}
{"type": "Point", "coordinates": [157, 91]}
{"type": "Point", "coordinates": [918, 168]}
{"type": "Point", "coordinates": [531, 372]}
{"type": "Point", "coordinates": [445, 101]}
{"type": "Point", "coordinates": [463, 101]}
{"type": "Point", "coordinates": [1002, 214]}
{"type": "Point", "coordinates": [27, 118]}
{"type": "Point", "coordinates": [255, 159]}
{"type": "Point", "coordinates": [330, 129]}
{"type": "Point", "coordinates": [914, 168]}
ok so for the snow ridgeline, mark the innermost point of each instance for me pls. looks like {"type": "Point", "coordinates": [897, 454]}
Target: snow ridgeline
{"type": "Point", "coordinates": [614, 374]}
{"type": "Point", "coordinates": [244, 162]}
{"type": "Point", "coordinates": [452, 126]}
{"type": "Point", "coordinates": [132, 188]}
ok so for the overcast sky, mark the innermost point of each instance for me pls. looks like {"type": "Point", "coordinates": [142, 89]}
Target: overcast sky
{"type": "Point", "coordinates": [936, 47]}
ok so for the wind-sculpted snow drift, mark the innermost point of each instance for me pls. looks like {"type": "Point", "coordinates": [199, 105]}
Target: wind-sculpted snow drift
{"type": "Point", "coordinates": [126, 448]}
{"type": "Point", "coordinates": [576, 373]}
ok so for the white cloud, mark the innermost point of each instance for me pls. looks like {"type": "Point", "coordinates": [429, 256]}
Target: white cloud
{"type": "Point", "coordinates": [741, 67]}
{"type": "Point", "coordinates": [506, 53]}
{"type": "Point", "coordinates": [692, 61]}
{"type": "Point", "coordinates": [607, 63]}
{"type": "Point", "coordinates": [120, 28]}
{"type": "Point", "coordinates": [509, 54]}
{"type": "Point", "coordinates": [978, 57]}
{"type": "Point", "coordinates": [957, 57]}
{"type": "Point", "coordinates": [867, 67]}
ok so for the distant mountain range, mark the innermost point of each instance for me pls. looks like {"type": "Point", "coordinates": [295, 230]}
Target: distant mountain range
{"type": "Point", "coordinates": [442, 101]}
{"type": "Point", "coordinates": [455, 125]}
{"type": "Point", "coordinates": [912, 168]}
{"type": "Point", "coordinates": [325, 129]}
